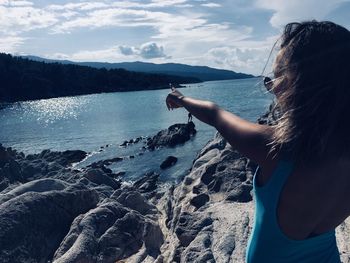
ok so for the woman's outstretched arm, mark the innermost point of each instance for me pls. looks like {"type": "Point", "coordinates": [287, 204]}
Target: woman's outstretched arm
{"type": "Point", "coordinates": [250, 139]}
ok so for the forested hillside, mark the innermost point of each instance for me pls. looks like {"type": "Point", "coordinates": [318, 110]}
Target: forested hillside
{"type": "Point", "coordinates": [24, 79]}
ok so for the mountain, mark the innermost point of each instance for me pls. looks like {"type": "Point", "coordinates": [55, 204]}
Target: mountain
{"type": "Point", "coordinates": [25, 79]}
{"type": "Point", "coordinates": [203, 73]}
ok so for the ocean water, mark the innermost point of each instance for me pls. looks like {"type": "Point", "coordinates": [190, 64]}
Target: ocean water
{"type": "Point", "coordinates": [91, 122]}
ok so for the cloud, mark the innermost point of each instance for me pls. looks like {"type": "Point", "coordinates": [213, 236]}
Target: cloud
{"type": "Point", "coordinates": [151, 50]}
{"type": "Point", "coordinates": [85, 6]}
{"type": "Point", "coordinates": [170, 27]}
{"type": "Point", "coordinates": [78, 6]}
{"type": "Point", "coordinates": [211, 5]}
{"type": "Point", "coordinates": [297, 10]}
{"type": "Point", "coordinates": [14, 20]}
{"type": "Point", "coordinates": [163, 3]}
{"type": "Point", "coordinates": [15, 3]}
{"type": "Point", "coordinates": [102, 55]}
{"type": "Point", "coordinates": [147, 51]}
{"type": "Point", "coordinates": [249, 56]}
{"type": "Point", "coordinates": [9, 44]}
{"type": "Point", "coordinates": [127, 51]}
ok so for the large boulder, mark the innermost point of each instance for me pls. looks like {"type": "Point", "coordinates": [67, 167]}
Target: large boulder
{"type": "Point", "coordinates": [109, 233]}
{"type": "Point", "coordinates": [15, 167]}
{"type": "Point", "coordinates": [32, 224]}
{"type": "Point", "coordinates": [176, 134]}
{"type": "Point", "coordinates": [41, 185]}
{"type": "Point", "coordinates": [209, 210]}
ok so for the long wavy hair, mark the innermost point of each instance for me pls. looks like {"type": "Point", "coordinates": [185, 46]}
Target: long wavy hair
{"type": "Point", "coordinates": [315, 97]}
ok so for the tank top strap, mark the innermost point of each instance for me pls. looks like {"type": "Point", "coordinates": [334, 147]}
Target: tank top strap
{"type": "Point", "coordinates": [280, 175]}
{"type": "Point", "coordinates": [273, 187]}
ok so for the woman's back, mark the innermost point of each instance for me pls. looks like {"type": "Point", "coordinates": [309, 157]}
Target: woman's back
{"type": "Point", "coordinates": [289, 212]}
{"type": "Point", "coordinates": [312, 200]}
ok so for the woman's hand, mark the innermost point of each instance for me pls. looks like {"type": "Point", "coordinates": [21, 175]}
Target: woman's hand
{"type": "Point", "coordinates": [174, 99]}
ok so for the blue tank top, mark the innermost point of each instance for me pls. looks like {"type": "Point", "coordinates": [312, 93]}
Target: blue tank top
{"type": "Point", "coordinates": [268, 244]}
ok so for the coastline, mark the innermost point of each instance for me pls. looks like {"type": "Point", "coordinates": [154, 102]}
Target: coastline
{"type": "Point", "coordinates": [60, 214]}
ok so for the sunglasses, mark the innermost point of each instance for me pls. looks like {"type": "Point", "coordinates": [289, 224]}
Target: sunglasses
{"type": "Point", "coordinates": [268, 82]}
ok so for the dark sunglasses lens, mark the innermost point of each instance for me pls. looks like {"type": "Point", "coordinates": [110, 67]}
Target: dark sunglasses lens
{"type": "Point", "coordinates": [266, 80]}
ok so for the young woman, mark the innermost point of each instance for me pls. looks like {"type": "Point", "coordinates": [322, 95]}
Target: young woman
{"type": "Point", "coordinates": [301, 187]}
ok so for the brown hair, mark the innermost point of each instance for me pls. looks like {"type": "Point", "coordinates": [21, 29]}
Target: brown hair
{"type": "Point", "coordinates": [315, 101]}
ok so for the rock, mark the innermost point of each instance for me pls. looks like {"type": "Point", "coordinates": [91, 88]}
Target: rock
{"type": "Point", "coordinates": [102, 163]}
{"type": "Point", "coordinates": [109, 233]}
{"type": "Point", "coordinates": [176, 134]}
{"type": "Point", "coordinates": [33, 224]}
{"type": "Point", "coordinates": [199, 250]}
{"type": "Point", "coordinates": [199, 188]}
{"type": "Point", "coordinates": [97, 176]}
{"type": "Point", "coordinates": [199, 200]}
{"type": "Point", "coordinates": [241, 194]}
{"type": "Point", "coordinates": [147, 183]}
{"type": "Point", "coordinates": [63, 158]}
{"type": "Point", "coordinates": [272, 116]}
{"type": "Point", "coordinates": [202, 204]}
{"type": "Point", "coordinates": [169, 161]}
{"type": "Point", "coordinates": [188, 180]}
{"type": "Point", "coordinates": [42, 185]}
{"type": "Point", "coordinates": [134, 200]}
{"type": "Point", "coordinates": [125, 143]}
{"type": "Point", "coordinates": [189, 225]}
{"type": "Point", "coordinates": [119, 174]}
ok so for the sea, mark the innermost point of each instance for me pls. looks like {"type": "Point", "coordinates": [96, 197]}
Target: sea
{"type": "Point", "coordinates": [100, 123]}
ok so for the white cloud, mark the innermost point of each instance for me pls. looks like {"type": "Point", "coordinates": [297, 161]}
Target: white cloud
{"type": "Point", "coordinates": [211, 5]}
{"type": "Point", "coordinates": [179, 28]}
{"type": "Point", "coordinates": [86, 6]}
{"type": "Point", "coordinates": [77, 6]}
{"type": "Point", "coordinates": [108, 54]}
{"type": "Point", "coordinates": [244, 56]}
{"type": "Point", "coordinates": [14, 20]}
{"type": "Point", "coordinates": [238, 59]}
{"type": "Point", "coordinates": [15, 3]}
{"type": "Point", "coordinates": [151, 50]}
{"type": "Point", "coordinates": [10, 44]}
{"type": "Point", "coordinates": [297, 10]}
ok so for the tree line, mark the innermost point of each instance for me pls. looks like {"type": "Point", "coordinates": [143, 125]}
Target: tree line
{"type": "Point", "coordinates": [24, 79]}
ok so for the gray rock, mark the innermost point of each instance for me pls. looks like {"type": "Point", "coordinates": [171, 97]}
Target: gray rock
{"type": "Point", "coordinates": [189, 225]}
{"type": "Point", "coordinates": [147, 183]}
{"type": "Point", "coordinates": [97, 176]}
{"type": "Point", "coordinates": [33, 224]}
{"type": "Point", "coordinates": [176, 134]}
{"type": "Point", "coordinates": [241, 194]}
{"type": "Point", "coordinates": [199, 200]}
{"type": "Point", "coordinates": [42, 185]}
{"type": "Point", "coordinates": [169, 161]}
{"type": "Point", "coordinates": [109, 233]}
{"type": "Point", "coordinates": [134, 200]}
{"type": "Point", "coordinates": [199, 250]}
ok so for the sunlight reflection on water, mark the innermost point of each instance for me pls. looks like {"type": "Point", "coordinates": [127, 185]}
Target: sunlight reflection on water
{"type": "Point", "coordinates": [52, 110]}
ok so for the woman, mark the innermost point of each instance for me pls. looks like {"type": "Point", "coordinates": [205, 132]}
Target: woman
{"type": "Point", "coordinates": [301, 185]}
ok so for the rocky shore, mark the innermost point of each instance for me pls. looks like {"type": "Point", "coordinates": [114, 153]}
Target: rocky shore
{"type": "Point", "coordinates": [51, 212]}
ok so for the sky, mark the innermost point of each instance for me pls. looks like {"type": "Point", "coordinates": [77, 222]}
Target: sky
{"type": "Point", "coordinates": [230, 34]}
